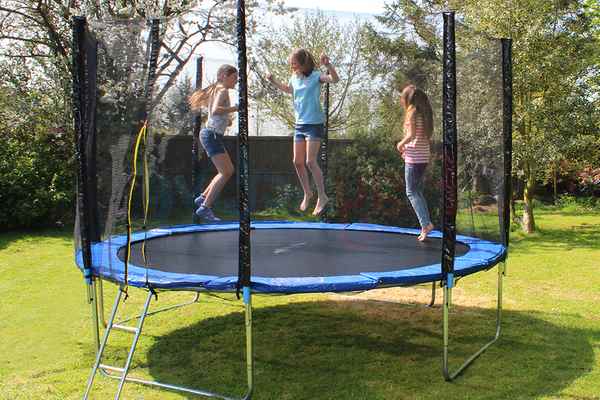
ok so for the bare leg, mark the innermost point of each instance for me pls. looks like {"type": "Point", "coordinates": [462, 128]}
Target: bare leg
{"type": "Point", "coordinates": [225, 169]}
{"type": "Point", "coordinates": [207, 189]}
{"type": "Point", "coordinates": [313, 147]}
{"type": "Point", "coordinates": [299, 157]}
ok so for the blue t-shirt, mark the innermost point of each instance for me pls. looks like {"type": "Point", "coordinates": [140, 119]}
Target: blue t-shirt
{"type": "Point", "coordinates": [307, 98]}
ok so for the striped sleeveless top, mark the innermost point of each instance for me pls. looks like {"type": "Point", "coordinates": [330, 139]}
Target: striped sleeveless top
{"type": "Point", "coordinates": [417, 151]}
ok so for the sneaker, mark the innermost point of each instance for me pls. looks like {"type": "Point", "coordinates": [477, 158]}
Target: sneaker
{"type": "Point", "coordinates": [198, 201]}
{"type": "Point", "coordinates": [206, 214]}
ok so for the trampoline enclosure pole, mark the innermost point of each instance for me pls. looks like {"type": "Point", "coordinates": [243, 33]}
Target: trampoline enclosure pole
{"type": "Point", "coordinates": [244, 267]}
{"type": "Point", "coordinates": [80, 116]}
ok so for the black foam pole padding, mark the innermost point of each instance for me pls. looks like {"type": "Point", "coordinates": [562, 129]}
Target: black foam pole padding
{"type": "Point", "coordinates": [244, 268]}
{"type": "Point", "coordinates": [91, 68]}
{"type": "Point", "coordinates": [196, 139]}
{"type": "Point", "coordinates": [507, 110]}
{"type": "Point", "coordinates": [152, 65]}
{"type": "Point", "coordinates": [449, 174]}
{"type": "Point", "coordinates": [324, 147]}
{"type": "Point", "coordinates": [80, 125]}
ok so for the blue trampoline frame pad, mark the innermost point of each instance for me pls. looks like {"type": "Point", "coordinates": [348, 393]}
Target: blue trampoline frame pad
{"type": "Point", "coordinates": [106, 264]}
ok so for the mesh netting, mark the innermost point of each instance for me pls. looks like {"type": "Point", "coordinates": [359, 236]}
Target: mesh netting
{"type": "Point", "coordinates": [365, 174]}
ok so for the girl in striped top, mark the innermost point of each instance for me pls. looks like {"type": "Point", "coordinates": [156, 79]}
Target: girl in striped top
{"type": "Point", "coordinates": [415, 149]}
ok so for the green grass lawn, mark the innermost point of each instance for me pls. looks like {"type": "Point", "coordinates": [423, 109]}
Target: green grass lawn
{"type": "Point", "coordinates": [381, 344]}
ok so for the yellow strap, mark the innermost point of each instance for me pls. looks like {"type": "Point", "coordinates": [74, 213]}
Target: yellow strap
{"type": "Point", "coordinates": [141, 134]}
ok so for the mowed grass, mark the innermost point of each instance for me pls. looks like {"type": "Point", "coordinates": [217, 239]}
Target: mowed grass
{"type": "Point", "coordinates": [382, 344]}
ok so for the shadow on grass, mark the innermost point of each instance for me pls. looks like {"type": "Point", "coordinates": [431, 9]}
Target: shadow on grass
{"type": "Point", "coordinates": [575, 237]}
{"type": "Point", "coordinates": [369, 349]}
{"type": "Point", "coordinates": [7, 238]}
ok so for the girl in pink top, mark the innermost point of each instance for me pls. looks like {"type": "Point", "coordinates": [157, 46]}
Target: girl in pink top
{"type": "Point", "coordinates": [415, 149]}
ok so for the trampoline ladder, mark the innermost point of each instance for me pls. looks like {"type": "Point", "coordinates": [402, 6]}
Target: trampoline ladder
{"type": "Point", "coordinates": [104, 368]}
{"type": "Point", "coordinates": [122, 374]}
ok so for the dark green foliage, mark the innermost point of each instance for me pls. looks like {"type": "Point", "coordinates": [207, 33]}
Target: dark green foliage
{"type": "Point", "coordinates": [367, 178]}
{"type": "Point", "coordinates": [36, 155]}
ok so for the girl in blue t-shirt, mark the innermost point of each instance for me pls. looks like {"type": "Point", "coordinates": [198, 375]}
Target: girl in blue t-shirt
{"type": "Point", "coordinates": [305, 87]}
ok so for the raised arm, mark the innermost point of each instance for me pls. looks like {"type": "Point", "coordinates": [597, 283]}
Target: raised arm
{"type": "Point", "coordinates": [284, 88]}
{"type": "Point", "coordinates": [331, 76]}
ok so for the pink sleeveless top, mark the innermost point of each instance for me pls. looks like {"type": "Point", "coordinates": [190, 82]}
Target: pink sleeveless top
{"type": "Point", "coordinates": [417, 151]}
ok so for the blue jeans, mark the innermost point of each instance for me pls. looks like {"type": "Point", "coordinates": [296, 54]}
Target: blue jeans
{"type": "Point", "coordinates": [414, 175]}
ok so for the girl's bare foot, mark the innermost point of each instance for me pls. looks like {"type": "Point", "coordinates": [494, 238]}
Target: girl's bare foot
{"type": "Point", "coordinates": [305, 201]}
{"type": "Point", "coordinates": [424, 232]}
{"type": "Point", "coordinates": [321, 203]}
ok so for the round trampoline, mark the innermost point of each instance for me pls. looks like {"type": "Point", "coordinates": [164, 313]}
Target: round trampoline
{"type": "Point", "coordinates": [131, 173]}
{"type": "Point", "coordinates": [287, 257]}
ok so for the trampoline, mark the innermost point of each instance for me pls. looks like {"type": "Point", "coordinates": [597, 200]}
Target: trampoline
{"type": "Point", "coordinates": [134, 190]}
{"type": "Point", "coordinates": [287, 257]}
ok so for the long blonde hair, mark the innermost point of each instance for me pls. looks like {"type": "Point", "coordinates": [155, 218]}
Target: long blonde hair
{"type": "Point", "coordinates": [416, 99]}
{"type": "Point", "coordinates": [203, 97]}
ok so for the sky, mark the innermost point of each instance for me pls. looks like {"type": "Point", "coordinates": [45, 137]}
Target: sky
{"type": "Point", "coordinates": [353, 6]}
{"type": "Point", "coordinates": [344, 10]}
{"type": "Point", "coordinates": [216, 54]}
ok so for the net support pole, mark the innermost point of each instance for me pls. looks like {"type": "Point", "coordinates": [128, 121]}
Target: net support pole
{"type": "Point", "coordinates": [195, 141]}
{"type": "Point", "coordinates": [450, 106]}
{"type": "Point", "coordinates": [507, 110]}
{"type": "Point", "coordinates": [80, 120]}
{"type": "Point", "coordinates": [244, 267]}
{"type": "Point", "coordinates": [325, 147]}
{"type": "Point", "coordinates": [449, 174]}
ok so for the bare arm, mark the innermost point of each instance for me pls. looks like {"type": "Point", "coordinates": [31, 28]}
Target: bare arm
{"type": "Point", "coordinates": [284, 88]}
{"type": "Point", "coordinates": [221, 105]}
{"type": "Point", "coordinates": [331, 76]}
{"type": "Point", "coordinates": [411, 132]}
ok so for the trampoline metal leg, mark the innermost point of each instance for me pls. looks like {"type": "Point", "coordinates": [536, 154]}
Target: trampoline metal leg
{"type": "Point", "coordinates": [99, 294]}
{"type": "Point", "coordinates": [92, 299]}
{"type": "Point", "coordinates": [122, 375]}
{"type": "Point", "coordinates": [138, 331]}
{"type": "Point", "coordinates": [432, 302]}
{"type": "Point", "coordinates": [187, 303]}
{"type": "Point", "coordinates": [449, 376]}
{"type": "Point", "coordinates": [249, 343]}
{"type": "Point", "coordinates": [100, 297]}
{"type": "Point", "coordinates": [103, 343]}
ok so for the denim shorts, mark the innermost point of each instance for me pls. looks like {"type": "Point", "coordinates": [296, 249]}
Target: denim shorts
{"type": "Point", "coordinates": [309, 132]}
{"type": "Point", "coordinates": [212, 142]}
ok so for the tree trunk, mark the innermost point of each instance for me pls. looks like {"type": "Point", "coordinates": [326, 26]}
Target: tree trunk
{"type": "Point", "coordinates": [555, 181]}
{"type": "Point", "coordinates": [513, 209]}
{"type": "Point", "coordinates": [528, 219]}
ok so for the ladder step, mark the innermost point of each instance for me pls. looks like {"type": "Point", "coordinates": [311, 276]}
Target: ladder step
{"type": "Point", "coordinates": [111, 368]}
{"type": "Point", "coordinates": [125, 328]}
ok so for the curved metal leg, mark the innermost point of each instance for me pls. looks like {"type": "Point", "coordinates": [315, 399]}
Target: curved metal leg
{"type": "Point", "coordinates": [432, 302]}
{"type": "Point", "coordinates": [168, 308]}
{"type": "Point", "coordinates": [449, 376]}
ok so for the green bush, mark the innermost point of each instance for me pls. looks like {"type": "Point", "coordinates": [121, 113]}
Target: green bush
{"type": "Point", "coordinates": [35, 182]}
{"type": "Point", "coordinates": [571, 203]}
{"type": "Point", "coordinates": [367, 178]}
{"type": "Point", "coordinates": [36, 168]}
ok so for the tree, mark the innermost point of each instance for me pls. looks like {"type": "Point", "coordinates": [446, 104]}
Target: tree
{"type": "Point", "coordinates": [37, 34]}
{"type": "Point", "coordinates": [546, 88]}
{"type": "Point", "coordinates": [319, 34]}
{"type": "Point", "coordinates": [36, 174]}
